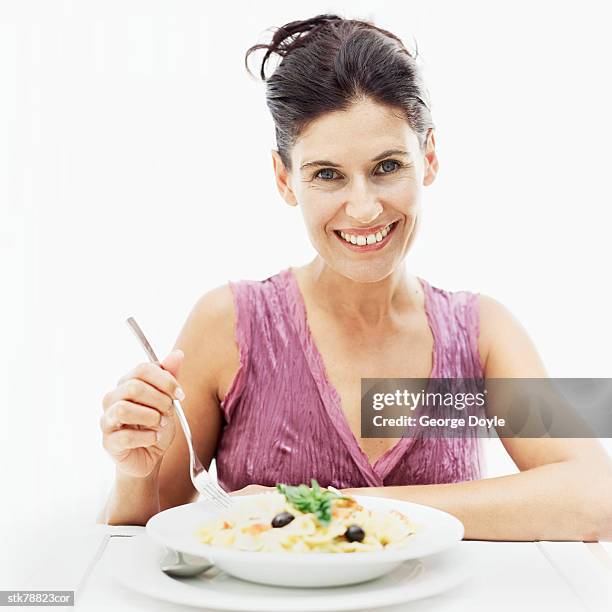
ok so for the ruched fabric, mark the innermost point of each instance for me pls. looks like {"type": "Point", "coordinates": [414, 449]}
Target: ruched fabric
{"type": "Point", "coordinates": [283, 420]}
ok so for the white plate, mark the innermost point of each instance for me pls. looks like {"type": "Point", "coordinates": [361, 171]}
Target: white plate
{"type": "Point", "coordinates": [437, 531]}
{"type": "Point", "coordinates": [135, 564]}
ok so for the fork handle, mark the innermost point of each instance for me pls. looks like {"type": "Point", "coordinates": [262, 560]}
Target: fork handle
{"type": "Point", "coordinates": [195, 461]}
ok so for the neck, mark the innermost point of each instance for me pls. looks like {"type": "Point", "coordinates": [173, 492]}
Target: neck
{"type": "Point", "coordinates": [361, 305]}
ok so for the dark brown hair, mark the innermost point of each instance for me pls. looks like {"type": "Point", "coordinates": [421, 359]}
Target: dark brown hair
{"type": "Point", "coordinates": [327, 64]}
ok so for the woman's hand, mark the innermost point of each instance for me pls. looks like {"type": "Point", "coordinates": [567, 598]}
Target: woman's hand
{"type": "Point", "coordinates": [138, 421]}
{"type": "Point", "coordinates": [253, 489]}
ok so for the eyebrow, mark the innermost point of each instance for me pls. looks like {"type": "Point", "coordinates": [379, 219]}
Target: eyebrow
{"type": "Point", "coordinates": [325, 162]}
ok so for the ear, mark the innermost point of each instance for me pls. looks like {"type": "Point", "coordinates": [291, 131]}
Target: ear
{"type": "Point", "coordinates": [431, 159]}
{"type": "Point", "coordinates": [282, 177]}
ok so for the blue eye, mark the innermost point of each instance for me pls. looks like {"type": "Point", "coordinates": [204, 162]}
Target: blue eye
{"type": "Point", "coordinates": [392, 168]}
{"type": "Point", "coordinates": [328, 178]}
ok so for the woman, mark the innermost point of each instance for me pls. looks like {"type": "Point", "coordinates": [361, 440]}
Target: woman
{"type": "Point", "coordinates": [271, 369]}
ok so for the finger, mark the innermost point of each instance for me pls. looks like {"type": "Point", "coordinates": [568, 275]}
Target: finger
{"type": "Point", "coordinates": [125, 412]}
{"type": "Point", "coordinates": [140, 392]}
{"type": "Point", "coordinates": [155, 375]}
{"type": "Point", "coordinates": [125, 439]}
{"type": "Point", "coordinates": [173, 361]}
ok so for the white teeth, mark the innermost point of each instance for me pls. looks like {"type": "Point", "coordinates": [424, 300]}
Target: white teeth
{"type": "Point", "coordinates": [362, 240]}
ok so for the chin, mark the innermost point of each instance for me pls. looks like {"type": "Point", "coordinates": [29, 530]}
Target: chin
{"type": "Point", "coordinates": [364, 272]}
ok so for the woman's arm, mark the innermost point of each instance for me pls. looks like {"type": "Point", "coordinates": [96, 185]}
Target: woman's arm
{"type": "Point", "coordinates": [211, 359]}
{"type": "Point", "coordinates": [564, 489]}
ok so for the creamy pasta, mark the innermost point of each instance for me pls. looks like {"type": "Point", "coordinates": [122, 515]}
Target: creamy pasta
{"type": "Point", "coordinates": [270, 523]}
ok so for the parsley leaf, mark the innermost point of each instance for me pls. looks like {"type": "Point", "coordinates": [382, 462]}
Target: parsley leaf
{"type": "Point", "coordinates": [311, 499]}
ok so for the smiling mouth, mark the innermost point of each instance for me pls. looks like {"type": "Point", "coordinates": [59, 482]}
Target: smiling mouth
{"type": "Point", "coordinates": [367, 242]}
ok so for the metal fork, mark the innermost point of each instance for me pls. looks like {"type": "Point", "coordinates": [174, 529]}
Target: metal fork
{"type": "Point", "coordinates": [201, 479]}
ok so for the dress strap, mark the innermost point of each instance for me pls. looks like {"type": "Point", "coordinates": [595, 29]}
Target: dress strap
{"type": "Point", "coordinates": [456, 318]}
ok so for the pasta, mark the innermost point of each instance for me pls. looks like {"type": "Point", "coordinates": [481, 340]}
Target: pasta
{"type": "Point", "coordinates": [271, 523]}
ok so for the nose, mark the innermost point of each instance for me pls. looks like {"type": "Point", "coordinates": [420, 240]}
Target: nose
{"type": "Point", "coordinates": [362, 204]}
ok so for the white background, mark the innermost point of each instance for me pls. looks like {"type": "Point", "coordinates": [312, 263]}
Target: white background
{"type": "Point", "coordinates": [135, 174]}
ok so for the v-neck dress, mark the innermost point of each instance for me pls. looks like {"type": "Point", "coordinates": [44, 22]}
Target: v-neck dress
{"type": "Point", "coordinates": [283, 420]}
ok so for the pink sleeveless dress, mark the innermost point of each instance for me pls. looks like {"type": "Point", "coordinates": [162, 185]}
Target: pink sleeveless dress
{"type": "Point", "coordinates": [283, 420]}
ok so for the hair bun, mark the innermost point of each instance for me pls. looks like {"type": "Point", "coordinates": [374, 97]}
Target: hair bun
{"type": "Point", "coordinates": [288, 37]}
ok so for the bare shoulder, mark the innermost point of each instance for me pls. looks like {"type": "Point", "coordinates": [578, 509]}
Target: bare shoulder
{"type": "Point", "coordinates": [505, 347]}
{"type": "Point", "coordinates": [213, 315]}
{"type": "Point", "coordinates": [209, 333]}
{"type": "Point", "coordinates": [215, 306]}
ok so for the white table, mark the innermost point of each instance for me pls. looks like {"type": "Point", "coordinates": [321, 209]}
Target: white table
{"type": "Point", "coordinates": [560, 576]}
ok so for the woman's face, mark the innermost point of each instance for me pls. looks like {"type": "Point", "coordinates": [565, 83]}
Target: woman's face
{"type": "Point", "coordinates": [357, 176]}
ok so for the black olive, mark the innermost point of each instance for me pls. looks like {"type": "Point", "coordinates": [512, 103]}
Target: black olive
{"type": "Point", "coordinates": [354, 533]}
{"type": "Point", "coordinates": [282, 519]}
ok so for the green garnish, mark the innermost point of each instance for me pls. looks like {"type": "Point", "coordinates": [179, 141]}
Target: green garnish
{"type": "Point", "coordinates": [311, 499]}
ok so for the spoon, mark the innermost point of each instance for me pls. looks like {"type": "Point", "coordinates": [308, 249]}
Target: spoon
{"type": "Point", "coordinates": [175, 565]}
